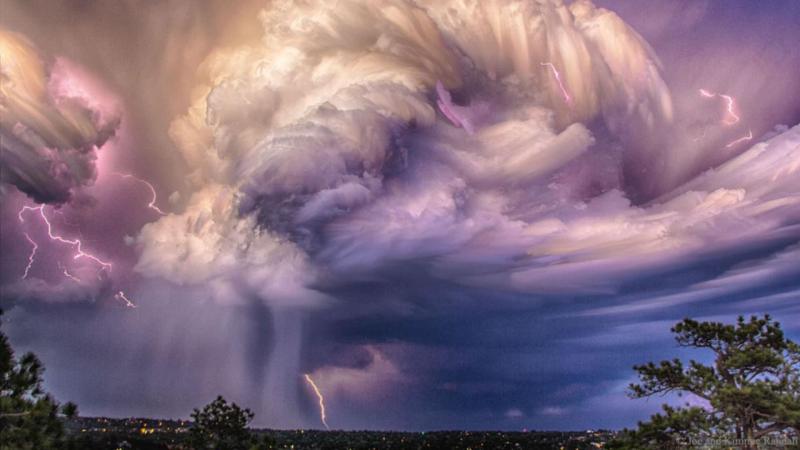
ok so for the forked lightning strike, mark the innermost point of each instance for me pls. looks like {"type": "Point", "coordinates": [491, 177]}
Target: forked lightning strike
{"type": "Point", "coordinates": [321, 400]}
{"type": "Point", "coordinates": [731, 116]}
{"type": "Point", "coordinates": [76, 243]}
{"type": "Point", "coordinates": [79, 253]}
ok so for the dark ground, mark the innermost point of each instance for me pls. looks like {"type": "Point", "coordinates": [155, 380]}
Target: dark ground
{"type": "Point", "coordinates": [104, 433]}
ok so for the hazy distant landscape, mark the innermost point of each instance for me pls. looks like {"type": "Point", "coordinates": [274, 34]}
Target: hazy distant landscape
{"type": "Point", "coordinates": [102, 433]}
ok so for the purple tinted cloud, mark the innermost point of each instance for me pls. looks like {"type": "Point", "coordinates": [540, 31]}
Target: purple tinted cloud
{"type": "Point", "coordinates": [432, 171]}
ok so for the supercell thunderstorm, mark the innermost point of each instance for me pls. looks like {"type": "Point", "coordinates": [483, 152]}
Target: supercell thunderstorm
{"type": "Point", "coordinates": [523, 147]}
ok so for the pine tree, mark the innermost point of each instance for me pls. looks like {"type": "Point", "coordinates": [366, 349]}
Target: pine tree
{"type": "Point", "coordinates": [751, 392]}
{"type": "Point", "coordinates": [221, 426]}
{"type": "Point", "coordinates": [28, 415]}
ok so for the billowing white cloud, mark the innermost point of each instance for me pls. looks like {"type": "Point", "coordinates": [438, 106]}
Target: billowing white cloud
{"type": "Point", "coordinates": [211, 244]}
{"type": "Point", "coordinates": [324, 154]}
{"type": "Point", "coordinates": [325, 141]}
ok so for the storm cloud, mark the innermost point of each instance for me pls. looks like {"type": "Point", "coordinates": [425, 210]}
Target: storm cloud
{"type": "Point", "coordinates": [422, 203]}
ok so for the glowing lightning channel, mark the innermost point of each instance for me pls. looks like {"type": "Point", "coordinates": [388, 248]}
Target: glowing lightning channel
{"type": "Point", "coordinates": [69, 275]}
{"type": "Point", "coordinates": [707, 94]}
{"type": "Point", "coordinates": [31, 257]}
{"type": "Point", "coordinates": [321, 400]}
{"type": "Point", "coordinates": [121, 296]}
{"type": "Point", "coordinates": [79, 253]}
{"type": "Point", "coordinates": [732, 118]}
{"type": "Point", "coordinates": [746, 137]}
{"type": "Point", "coordinates": [557, 75]}
{"type": "Point", "coordinates": [152, 204]}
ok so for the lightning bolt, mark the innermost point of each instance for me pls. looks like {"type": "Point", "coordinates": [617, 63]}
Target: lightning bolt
{"type": "Point", "coordinates": [321, 400]}
{"type": "Point", "coordinates": [746, 137]}
{"type": "Point", "coordinates": [69, 275]}
{"type": "Point", "coordinates": [706, 94]}
{"type": "Point", "coordinates": [731, 116]}
{"type": "Point", "coordinates": [121, 296]}
{"type": "Point", "coordinates": [152, 204]}
{"type": "Point", "coordinates": [557, 76]}
{"type": "Point", "coordinates": [76, 243]}
{"type": "Point", "coordinates": [31, 257]}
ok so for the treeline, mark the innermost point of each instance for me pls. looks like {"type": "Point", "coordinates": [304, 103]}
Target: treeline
{"type": "Point", "coordinates": [749, 398]}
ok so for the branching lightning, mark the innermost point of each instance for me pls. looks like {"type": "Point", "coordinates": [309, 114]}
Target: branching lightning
{"type": "Point", "coordinates": [557, 76]}
{"type": "Point", "coordinates": [76, 243]}
{"type": "Point", "coordinates": [731, 117]}
{"type": "Point", "coordinates": [152, 204]}
{"type": "Point", "coordinates": [79, 252]}
{"type": "Point", "coordinates": [321, 400]}
{"type": "Point", "coordinates": [31, 257]}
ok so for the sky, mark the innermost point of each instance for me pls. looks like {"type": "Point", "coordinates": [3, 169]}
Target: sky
{"type": "Point", "coordinates": [448, 215]}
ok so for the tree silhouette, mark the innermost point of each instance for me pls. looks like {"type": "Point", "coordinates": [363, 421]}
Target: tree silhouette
{"type": "Point", "coordinates": [28, 415]}
{"type": "Point", "coordinates": [752, 390]}
{"type": "Point", "coordinates": [69, 410]}
{"type": "Point", "coordinates": [221, 426]}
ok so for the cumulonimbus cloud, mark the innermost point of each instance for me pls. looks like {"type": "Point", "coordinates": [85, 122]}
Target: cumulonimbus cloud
{"type": "Point", "coordinates": [327, 130]}
{"type": "Point", "coordinates": [326, 140]}
{"type": "Point", "coordinates": [489, 144]}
